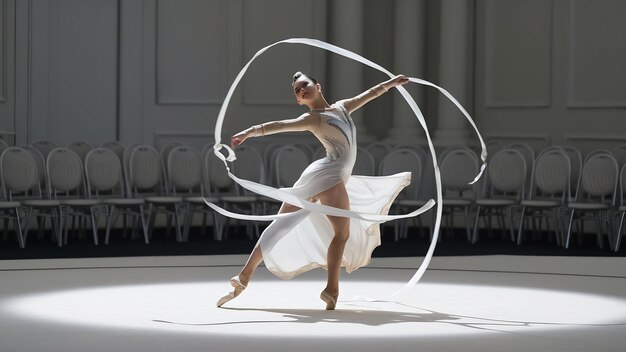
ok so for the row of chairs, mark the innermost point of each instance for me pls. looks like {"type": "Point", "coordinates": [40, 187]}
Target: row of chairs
{"type": "Point", "coordinates": [150, 182]}
{"type": "Point", "coordinates": [65, 185]}
{"type": "Point", "coordinates": [549, 186]}
{"type": "Point", "coordinates": [557, 186]}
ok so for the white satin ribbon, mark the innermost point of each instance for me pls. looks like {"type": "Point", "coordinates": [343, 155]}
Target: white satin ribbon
{"type": "Point", "coordinates": [291, 199]}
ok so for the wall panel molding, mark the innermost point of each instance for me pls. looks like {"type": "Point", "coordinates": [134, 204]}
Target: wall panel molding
{"type": "Point", "coordinates": [184, 69]}
{"type": "Point", "coordinates": [509, 81]}
{"type": "Point", "coordinates": [592, 59]}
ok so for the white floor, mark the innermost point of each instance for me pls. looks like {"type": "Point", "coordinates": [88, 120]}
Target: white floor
{"type": "Point", "coordinates": [478, 303]}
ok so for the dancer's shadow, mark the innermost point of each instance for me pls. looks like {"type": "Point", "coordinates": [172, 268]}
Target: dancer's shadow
{"type": "Point", "coordinates": [369, 317]}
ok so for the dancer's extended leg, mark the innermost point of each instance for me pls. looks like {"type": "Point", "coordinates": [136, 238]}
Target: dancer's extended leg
{"type": "Point", "coordinates": [256, 257]}
{"type": "Point", "coordinates": [276, 230]}
{"type": "Point", "coordinates": [337, 197]}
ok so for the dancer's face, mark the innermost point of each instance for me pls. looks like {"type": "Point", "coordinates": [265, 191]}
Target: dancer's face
{"type": "Point", "coordinates": [305, 90]}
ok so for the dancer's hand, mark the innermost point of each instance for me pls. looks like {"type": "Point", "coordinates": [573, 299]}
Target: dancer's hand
{"type": "Point", "coordinates": [399, 80]}
{"type": "Point", "coordinates": [239, 138]}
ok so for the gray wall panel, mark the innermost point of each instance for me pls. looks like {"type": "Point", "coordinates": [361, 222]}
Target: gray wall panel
{"type": "Point", "coordinates": [597, 53]}
{"type": "Point", "coordinates": [7, 71]}
{"type": "Point", "coordinates": [79, 70]}
{"type": "Point", "coordinates": [130, 109]}
{"type": "Point", "coordinates": [517, 54]}
{"type": "Point", "coordinates": [5, 36]}
{"type": "Point", "coordinates": [191, 51]}
{"type": "Point", "coordinates": [268, 81]}
{"type": "Point", "coordinates": [38, 127]}
{"type": "Point", "coordinates": [544, 70]}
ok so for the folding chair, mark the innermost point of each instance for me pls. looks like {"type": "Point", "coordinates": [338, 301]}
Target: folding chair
{"type": "Point", "coordinates": [549, 191]}
{"type": "Point", "coordinates": [66, 184]}
{"type": "Point", "coordinates": [458, 167]}
{"type": "Point", "coordinates": [10, 210]}
{"type": "Point", "coordinates": [401, 160]}
{"type": "Point", "coordinates": [505, 182]}
{"type": "Point", "coordinates": [105, 182]}
{"type": "Point", "coordinates": [21, 183]}
{"type": "Point", "coordinates": [147, 181]}
{"type": "Point", "coordinates": [596, 194]}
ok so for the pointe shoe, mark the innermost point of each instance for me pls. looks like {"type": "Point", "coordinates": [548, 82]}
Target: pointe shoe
{"type": "Point", "coordinates": [239, 287]}
{"type": "Point", "coordinates": [331, 301]}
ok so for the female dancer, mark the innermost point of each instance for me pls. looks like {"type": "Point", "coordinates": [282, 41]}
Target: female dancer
{"type": "Point", "coordinates": [325, 180]}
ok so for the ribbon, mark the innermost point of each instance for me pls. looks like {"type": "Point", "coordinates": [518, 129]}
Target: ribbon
{"type": "Point", "coordinates": [285, 196]}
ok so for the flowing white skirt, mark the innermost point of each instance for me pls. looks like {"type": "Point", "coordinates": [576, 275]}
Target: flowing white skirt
{"type": "Point", "coordinates": [299, 243]}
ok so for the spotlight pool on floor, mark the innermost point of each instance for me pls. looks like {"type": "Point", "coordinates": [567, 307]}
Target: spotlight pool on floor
{"type": "Point", "coordinates": [277, 308]}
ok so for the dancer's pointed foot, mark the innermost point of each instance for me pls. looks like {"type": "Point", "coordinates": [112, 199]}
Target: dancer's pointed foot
{"type": "Point", "coordinates": [331, 300]}
{"type": "Point", "coordinates": [236, 282]}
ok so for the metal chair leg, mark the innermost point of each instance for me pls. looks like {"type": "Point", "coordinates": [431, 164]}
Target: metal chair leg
{"type": "Point", "coordinates": [110, 213]}
{"type": "Point", "coordinates": [521, 227]}
{"type": "Point", "coordinates": [94, 225]}
{"type": "Point", "coordinates": [475, 234]}
{"type": "Point", "coordinates": [619, 232]}
{"type": "Point", "coordinates": [569, 229]}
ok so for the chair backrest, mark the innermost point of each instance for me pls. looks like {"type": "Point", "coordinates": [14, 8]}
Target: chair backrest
{"type": "Point", "coordinates": [289, 163]}
{"type": "Point", "coordinates": [596, 152]}
{"type": "Point", "coordinates": [458, 167]}
{"type": "Point", "coordinates": [529, 155]}
{"type": "Point", "coordinates": [65, 173]}
{"type": "Point", "coordinates": [249, 165]}
{"type": "Point", "coordinates": [443, 154]}
{"type": "Point", "coordinates": [216, 175]}
{"type": "Point", "coordinates": [599, 178]}
{"type": "Point", "coordinates": [103, 171]}
{"type": "Point", "coordinates": [307, 149]}
{"type": "Point", "coordinates": [269, 156]}
{"type": "Point", "coordinates": [619, 153]}
{"type": "Point", "coordinates": [506, 174]}
{"type": "Point", "coordinates": [146, 171]}
{"type": "Point", "coordinates": [41, 164]}
{"type": "Point", "coordinates": [364, 164]}
{"type": "Point", "coordinates": [551, 174]}
{"type": "Point", "coordinates": [80, 148]}
{"type": "Point", "coordinates": [379, 151]}
{"type": "Point", "coordinates": [115, 146]}
{"type": "Point", "coordinates": [19, 172]}
{"type": "Point", "coordinates": [128, 151]}
{"type": "Point", "coordinates": [44, 147]}
{"type": "Point", "coordinates": [421, 152]}
{"type": "Point", "coordinates": [167, 148]}
{"type": "Point", "coordinates": [401, 160]}
{"type": "Point", "coordinates": [184, 167]}
{"type": "Point", "coordinates": [576, 166]}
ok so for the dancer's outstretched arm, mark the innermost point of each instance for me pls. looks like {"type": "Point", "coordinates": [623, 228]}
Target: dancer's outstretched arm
{"type": "Point", "coordinates": [306, 122]}
{"type": "Point", "coordinates": [372, 93]}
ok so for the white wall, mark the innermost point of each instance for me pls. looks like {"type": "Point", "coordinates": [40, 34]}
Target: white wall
{"type": "Point", "coordinates": [155, 71]}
